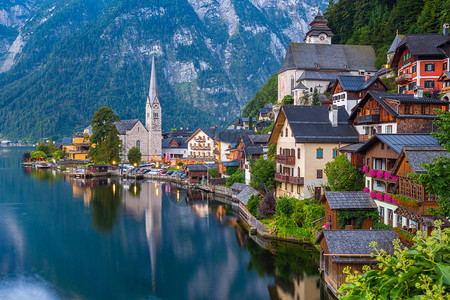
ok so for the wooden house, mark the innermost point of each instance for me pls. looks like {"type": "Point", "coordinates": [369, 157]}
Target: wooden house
{"type": "Point", "coordinates": [348, 90]}
{"type": "Point", "coordinates": [195, 173]}
{"type": "Point", "coordinates": [349, 248]}
{"type": "Point", "coordinates": [445, 79]}
{"type": "Point", "coordinates": [380, 112]}
{"type": "Point", "coordinates": [340, 202]}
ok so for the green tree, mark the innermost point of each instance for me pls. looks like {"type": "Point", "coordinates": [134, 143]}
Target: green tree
{"type": "Point", "coordinates": [263, 174]}
{"type": "Point", "coordinates": [250, 123]}
{"type": "Point", "coordinates": [105, 137]}
{"type": "Point", "coordinates": [342, 175]}
{"type": "Point", "coordinates": [238, 176]}
{"type": "Point", "coordinates": [287, 100]}
{"type": "Point", "coordinates": [272, 151]}
{"type": "Point", "coordinates": [437, 177]}
{"type": "Point", "coordinates": [315, 98]}
{"type": "Point", "coordinates": [421, 272]}
{"type": "Point", "coordinates": [267, 94]}
{"type": "Point", "coordinates": [134, 155]}
{"type": "Point", "coordinates": [214, 173]}
{"type": "Point", "coordinates": [58, 154]}
{"type": "Point", "coordinates": [37, 155]}
{"type": "Point", "coordinates": [305, 97]}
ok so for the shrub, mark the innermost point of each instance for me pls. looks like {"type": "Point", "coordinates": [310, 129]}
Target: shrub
{"type": "Point", "coordinates": [214, 173]}
{"type": "Point", "coordinates": [63, 168]}
{"type": "Point", "coordinates": [285, 206]}
{"type": "Point", "coordinates": [238, 176]}
{"type": "Point", "coordinates": [252, 205]}
{"type": "Point", "coordinates": [267, 206]}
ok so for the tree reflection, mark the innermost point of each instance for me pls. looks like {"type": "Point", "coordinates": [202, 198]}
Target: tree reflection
{"type": "Point", "coordinates": [135, 189]}
{"type": "Point", "coordinates": [106, 201]}
{"type": "Point", "coordinates": [49, 176]}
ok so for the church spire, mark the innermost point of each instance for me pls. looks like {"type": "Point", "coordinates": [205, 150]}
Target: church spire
{"type": "Point", "coordinates": [153, 90]}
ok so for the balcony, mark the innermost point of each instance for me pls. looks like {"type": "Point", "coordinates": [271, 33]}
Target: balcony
{"type": "Point", "coordinates": [446, 89]}
{"type": "Point", "coordinates": [285, 159]}
{"type": "Point", "coordinates": [289, 179]}
{"type": "Point", "coordinates": [404, 78]}
{"type": "Point", "coordinates": [373, 118]}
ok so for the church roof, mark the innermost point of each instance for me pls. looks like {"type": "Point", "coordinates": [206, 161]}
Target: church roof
{"type": "Point", "coordinates": [329, 57]}
{"type": "Point", "coordinates": [394, 44]}
{"type": "Point", "coordinates": [124, 125]}
{"type": "Point", "coordinates": [153, 90]}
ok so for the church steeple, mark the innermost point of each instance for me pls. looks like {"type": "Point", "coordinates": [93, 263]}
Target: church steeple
{"type": "Point", "coordinates": [319, 33]}
{"type": "Point", "coordinates": [153, 90]}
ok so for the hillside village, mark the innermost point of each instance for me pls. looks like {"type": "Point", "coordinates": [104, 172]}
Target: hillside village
{"type": "Point", "coordinates": [332, 102]}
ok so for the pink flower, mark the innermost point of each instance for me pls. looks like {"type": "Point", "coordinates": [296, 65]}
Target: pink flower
{"type": "Point", "coordinates": [372, 173]}
{"type": "Point", "coordinates": [366, 189]}
{"type": "Point", "coordinates": [326, 226]}
{"type": "Point", "coordinates": [378, 196]}
{"type": "Point", "coordinates": [387, 198]}
{"type": "Point", "coordinates": [387, 175]}
{"type": "Point", "coordinates": [365, 169]}
{"type": "Point", "coordinates": [379, 174]}
{"type": "Point", "coordinates": [395, 202]}
{"type": "Point", "coordinates": [395, 178]}
{"type": "Point", "coordinates": [372, 194]}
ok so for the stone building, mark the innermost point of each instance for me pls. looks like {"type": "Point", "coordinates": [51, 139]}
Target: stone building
{"type": "Point", "coordinates": [146, 137]}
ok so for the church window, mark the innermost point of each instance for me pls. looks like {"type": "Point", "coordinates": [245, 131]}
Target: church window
{"type": "Point", "coordinates": [155, 115]}
{"type": "Point", "coordinates": [138, 129]}
{"type": "Point", "coordinates": [138, 145]}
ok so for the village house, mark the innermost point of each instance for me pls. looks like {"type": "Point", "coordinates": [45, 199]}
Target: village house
{"type": "Point", "coordinates": [338, 205]}
{"type": "Point", "coordinates": [317, 62]}
{"type": "Point", "coordinates": [265, 113]}
{"type": "Point", "coordinates": [380, 112]}
{"type": "Point", "coordinates": [175, 148]}
{"type": "Point", "coordinates": [195, 173]}
{"type": "Point", "coordinates": [242, 123]}
{"type": "Point", "coordinates": [226, 140]}
{"type": "Point", "coordinates": [406, 205]}
{"type": "Point", "coordinates": [308, 137]}
{"type": "Point", "coordinates": [201, 145]}
{"type": "Point", "coordinates": [77, 147]}
{"type": "Point", "coordinates": [445, 79]}
{"type": "Point", "coordinates": [350, 248]}
{"type": "Point", "coordinates": [421, 59]}
{"type": "Point", "coordinates": [348, 90]}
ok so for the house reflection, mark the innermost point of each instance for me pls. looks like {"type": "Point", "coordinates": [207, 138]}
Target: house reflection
{"type": "Point", "coordinates": [299, 288]}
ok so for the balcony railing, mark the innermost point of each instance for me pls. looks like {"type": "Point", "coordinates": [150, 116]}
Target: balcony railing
{"type": "Point", "coordinates": [404, 78]}
{"type": "Point", "coordinates": [446, 89]}
{"type": "Point", "coordinates": [373, 118]}
{"type": "Point", "coordinates": [285, 159]}
{"type": "Point", "coordinates": [289, 179]}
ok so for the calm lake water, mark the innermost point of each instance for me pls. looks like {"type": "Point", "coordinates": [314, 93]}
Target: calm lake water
{"type": "Point", "coordinates": [112, 239]}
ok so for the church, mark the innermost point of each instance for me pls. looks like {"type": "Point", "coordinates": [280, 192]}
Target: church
{"type": "Point", "coordinates": [146, 137]}
{"type": "Point", "coordinates": [317, 62]}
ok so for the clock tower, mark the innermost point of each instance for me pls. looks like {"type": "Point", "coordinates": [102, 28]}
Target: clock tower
{"type": "Point", "coordinates": [319, 33]}
{"type": "Point", "coordinates": [153, 118]}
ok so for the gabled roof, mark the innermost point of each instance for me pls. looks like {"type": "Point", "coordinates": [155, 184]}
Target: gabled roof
{"type": "Point", "coordinates": [417, 155]}
{"type": "Point", "coordinates": [315, 75]}
{"type": "Point", "coordinates": [382, 97]}
{"type": "Point", "coordinates": [200, 167]}
{"type": "Point", "coordinates": [254, 143]}
{"type": "Point", "coordinates": [124, 125]}
{"type": "Point", "coordinates": [329, 57]}
{"type": "Point", "coordinates": [395, 44]}
{"type": "Point", "coordinates": [245, 194]}
{"type": "Point", "coordinates": [231, 135]}
{"type": "Point", "coordinates": [237, 186]}
{"type": "Point", "coordinates": [396, 141]}
{"type": "Point", "coordinates": [351, 83]}
{"type": "Point", "coordinates": [354, 242]}
{"type": "Point", "coordinates": [66, 141]}
{"type": "Point", "coordinates": [349, 200]}
{"type": "Point", "coordinates": [444, 76]}
{"type": "Point", "coordinates": [209, 131]}
{"type": "Point", "coordinates": [311, 124]}
{"type": "Point", "coordinates": [181, 141]}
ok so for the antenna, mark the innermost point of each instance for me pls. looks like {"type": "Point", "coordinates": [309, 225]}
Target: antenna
{"type": "Point", "coordinates": [154, 50]}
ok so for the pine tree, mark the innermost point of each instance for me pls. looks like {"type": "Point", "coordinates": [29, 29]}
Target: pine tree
{"type": "Point", "coordinates": [315, 98]}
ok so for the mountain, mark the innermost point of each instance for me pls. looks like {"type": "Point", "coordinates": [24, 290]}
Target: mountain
{"type": "Point", "coordinates": [60, 60]}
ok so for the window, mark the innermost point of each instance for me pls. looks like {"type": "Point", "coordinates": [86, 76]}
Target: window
{"type": "Point", "coordinates": [401, 73]}
{"type": "Point", "coordinates": [389, 129]}
{"type": "Point", "coordinates": [382, 146]}
{"type": "Point", "coordinates": [298, 172]}
{"type": "Point", "coordinates": [414, 69]}
{"type": "Point", "coordinates": [408, 109]}
{"type": "Point", "coordinates": [407, 71]}
{"type": "Point", "coordinates": [298, 153]}
{"type": "Point", "coordinates": [425, 109]}
{"type": "Point", "coordinates": [281, 133]}
{"type": "Point", "coordinates": [390, 215]}
{"type": "Point", "coordinates": [319, 174]}
{"type": "Point", "coordinates": [402, 89]}
{"type": "Point", "coordinates": [368, 161]}
{"type": "Point", "coordinates": [429, 84]}
{"type": "Point", "coordinates": [335, 152]}
{"type": "Point", "coordinates": [298, 189]}
{"type": "Point", "coordinates": [411, 86]}
{"type": "Point", "coordinates": [381, 211]}
{"type": "Point", "coordinates": [285, 186]}
{"type": "Point", "coordinates": [155, 116]}
{"type": "Point", "coordinates": [292, 188]}
{"type": "Point", "coordinates": [444, 66]}
{"type": "Point", "coordinates": [319, 153]}
{"type": "Point", "coordinates": [138, 145]}
{"type": "Point", "coordinates": [429, 67]}
{"type": "Point", "coordinates": [399, 220]}
{"type": "Point", "coordinates": [287, 132]}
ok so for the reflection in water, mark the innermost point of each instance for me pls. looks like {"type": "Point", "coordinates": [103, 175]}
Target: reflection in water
{"type": "Point", "coordinates": [106, 203]}
{"type": "Point", "coordinates": [46, 175]}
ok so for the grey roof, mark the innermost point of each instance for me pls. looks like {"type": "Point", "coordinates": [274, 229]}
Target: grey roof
{"type": "Point", "coordinates": [181, 141]}
{"type": "Point", "coordinates": [231, 135]}
{"type": "Point", "coordinates": [329, 57]}
{"type": "Point", "coordinates": [153, 89]}
{"type": "Point", "coordinates": [66, 141]}
{"type": "Point", "coordinates": [254, 143]}
{"type": "Point", "coordinates": [424, 44]}
{"type": "Point", "coordinates": [233, 163]}
{"type": "Point", "coordinates": [381, 98]}
{"type": "Point", "coordinates": [315, 75]}
{"type": "Point", "coordinates": [417, 155]}
{"type": "Point", "coordinates": [318, 29]}
{"type": "Point", "coordinates": [300, 86]}
{"type": "Point", "coordinates": [397, 140]}
{"type": "Point", "coordinates": [353, 83]}
{"type": "Point", "coordinates": [262, 124]}
{"type": "Point", "coordinates": [245, 194]}
{"type": "Point", "coordinates": [351, 148]}
{"type": "Point", "coordinates": [312, 124]}
{"type": "Point", "coordinates": [124, 125]}
{"type": "Point", "coordinates": [350, 200]}
{"type": "Point", "coordinates": [394, 44]}
{"type": "Point", "coordinates": [197, 167]}
{"type": "Point", "coordinates": [357, 242]}
{"type": "Point", "coordinates": [238, 186]}
{"type": "Point", "coordinates": [259, 138]}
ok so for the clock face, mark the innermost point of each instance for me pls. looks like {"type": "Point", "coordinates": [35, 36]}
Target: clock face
{"type": "Point", "coordinates": [322, 37]}
{"type": "Point", "coordinates": [155, 106]}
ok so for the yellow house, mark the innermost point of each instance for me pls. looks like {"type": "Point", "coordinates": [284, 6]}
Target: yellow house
{"type": "Point", "coordinates": [308, 137]}
{"type": "Point", "coordinates": [78, 146]}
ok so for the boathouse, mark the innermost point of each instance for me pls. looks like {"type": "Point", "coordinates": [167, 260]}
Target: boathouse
{"type": "Point", "coordinates": [343, 248]}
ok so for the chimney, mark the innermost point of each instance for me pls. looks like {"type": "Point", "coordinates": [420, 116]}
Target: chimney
{"type": "Point", "coordinates": [445, 29]}
{"type": "Point", "coordinates": [367, 77]}
{"type": "Point", "coordinates": [333, 115]}
{"type": "Point", "coordinates": [418, 92]}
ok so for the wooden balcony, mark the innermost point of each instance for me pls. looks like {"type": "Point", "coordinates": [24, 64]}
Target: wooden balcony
{"type": "Point", "coordinates": [404, 78]}
{"type": "Point", "coordinates": [285, 159]}
{"type": "Point", "coordinates": [445, 89]}
{"type": "Point", "coordinates": [289, 179]}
